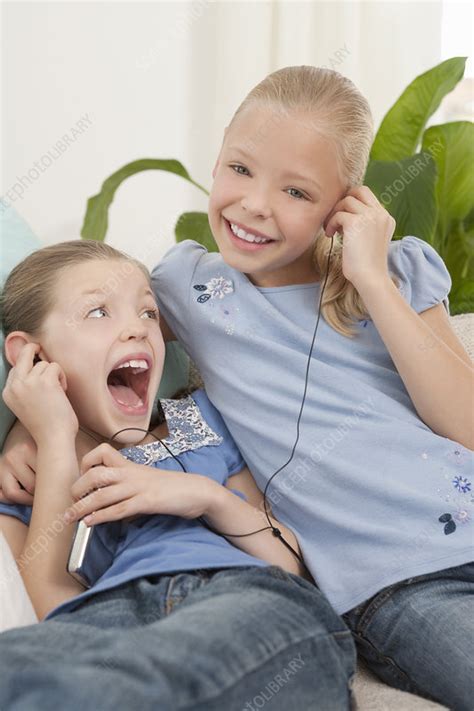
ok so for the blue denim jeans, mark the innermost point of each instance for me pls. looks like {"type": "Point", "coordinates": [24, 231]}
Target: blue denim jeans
{"type": "Point", "coordinates": [207, 640]}
{"type": "Point", "coordinates": [418, 635]}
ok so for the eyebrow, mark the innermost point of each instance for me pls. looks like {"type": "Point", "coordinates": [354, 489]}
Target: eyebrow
{"type": "Point", "coordinates": [296, 176]}
{"type": "Point", "coordinates": [100, 292]}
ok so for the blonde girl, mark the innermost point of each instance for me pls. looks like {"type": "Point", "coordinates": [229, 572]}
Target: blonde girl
{"type": "Point", "coordinates": [379, 489]}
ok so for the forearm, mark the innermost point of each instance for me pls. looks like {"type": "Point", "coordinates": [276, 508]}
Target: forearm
{"type": "Point", "coordinates": [438, 381]}
{"type": "Point", "coordinates": [44, 558]}
{"type": "Point", "coordinates": [228, 513]}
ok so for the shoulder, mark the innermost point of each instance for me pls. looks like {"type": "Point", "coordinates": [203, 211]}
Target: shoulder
{"type": "Point", "coordinates": [424, 279]}
{"type": "Point", "coordinates": [215, 421]}
{"type": "Point", "coordinates": [182, 258]}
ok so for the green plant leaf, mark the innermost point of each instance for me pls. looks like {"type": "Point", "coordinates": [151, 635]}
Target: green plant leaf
{"type": "Point", "coordinates": [402, 186]}
{"type": "Point", "coordinates": [452, 147]}
{"type": "Point", "coordinates": [97, 212]}
{"type": "Point", "coordinates": [401, 129]}
{"type": "Point", "coordinates": [461, 301]}
{"type": "Point", "coordinates": [195, 225]}
{"type": "Point", "coordinates": [459, 259]}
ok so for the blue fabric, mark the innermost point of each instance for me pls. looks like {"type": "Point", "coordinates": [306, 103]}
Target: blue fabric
{"type": "Point", "coordinates": [372, 493]}
{"type": "Point", "coordinates": [220, 640]}
{"type": "Point", "coordinates": [418, 636]}
{"type": "Point", "coordinates": [152, 544]}
{"type": "Point", "coordinates": [16, 242]}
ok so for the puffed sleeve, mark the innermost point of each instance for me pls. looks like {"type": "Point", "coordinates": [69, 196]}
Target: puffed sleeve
{"type": "Point", "coordinates": [424, 278]}
{"type": "Point", "coordinates": [171, 282]}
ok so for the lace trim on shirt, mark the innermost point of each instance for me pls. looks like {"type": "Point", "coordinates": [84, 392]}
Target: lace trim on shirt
{"type": "Point", "coordinates": [188, 430]}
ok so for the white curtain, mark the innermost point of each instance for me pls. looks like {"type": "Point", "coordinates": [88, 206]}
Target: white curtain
{"type": "Point", "coordinates": [162, 79]}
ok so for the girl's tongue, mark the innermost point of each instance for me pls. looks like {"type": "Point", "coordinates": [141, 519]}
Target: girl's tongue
{"type": "Point", "coordinates": [129, 386]}
{"type": "Point", "coordinates": [125, 395]}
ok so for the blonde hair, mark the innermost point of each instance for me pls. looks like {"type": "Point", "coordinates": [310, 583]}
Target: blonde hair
{"type": "Point", "coordinates": [341, 113]}
{"type": "Point", "coordinates": [28, 294]}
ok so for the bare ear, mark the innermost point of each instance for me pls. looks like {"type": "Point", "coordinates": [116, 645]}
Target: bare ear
{"type": "Point", "coordinates": [14, 342]}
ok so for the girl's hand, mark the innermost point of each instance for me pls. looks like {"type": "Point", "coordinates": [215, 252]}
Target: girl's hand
{"type": "Point", "coordinates": [36, 395]}
{"type": "Point", "coordinates": [18, 467]}
{"type": "Point", "coordinates": [367, 229]}
{"type": "Point", "coordinates": [111, 488]}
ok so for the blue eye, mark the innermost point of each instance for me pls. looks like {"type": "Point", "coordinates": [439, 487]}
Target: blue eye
{"type": "Point", "coordinates": [153, 312]}
{"type": "Point", "coordinates": [299, 196]}
{"type": "Point", "coordinates": [235, 168]}
{"type": "Point", "coordinates": [98, 308]}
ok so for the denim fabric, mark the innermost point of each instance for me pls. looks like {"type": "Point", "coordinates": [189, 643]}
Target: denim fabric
{"type": "Point", "coordinates": [231, 639]}
{"type": "Point", "coordinates": [418, 635]}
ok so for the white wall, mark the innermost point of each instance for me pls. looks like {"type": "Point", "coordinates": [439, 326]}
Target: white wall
{"type": "Point", "coordinates": [161, 79]}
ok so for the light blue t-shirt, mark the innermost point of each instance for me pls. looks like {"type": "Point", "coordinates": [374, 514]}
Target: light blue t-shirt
{"type": "Point", "coordinates": [159, 544]}
{"type": "Point", "coordinates": [373, 494]}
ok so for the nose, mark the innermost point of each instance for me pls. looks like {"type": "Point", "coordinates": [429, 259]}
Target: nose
{"type": "Point", "coordinates": [256, 203]}
{"type": "Point", "coordinates": [134, 328]}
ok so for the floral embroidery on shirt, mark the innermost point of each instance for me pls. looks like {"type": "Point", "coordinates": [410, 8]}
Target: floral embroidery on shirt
{"type": "Point", "coordinates": [216, 288]}
{"type": "Point", "coordinates": [462, 515]}
{"type": "Point", "coordinates": [462, 484]}
{"type": "Point", "coordinates": [456, 489]}
{"type": "Point", "coordinates": [187, 431]}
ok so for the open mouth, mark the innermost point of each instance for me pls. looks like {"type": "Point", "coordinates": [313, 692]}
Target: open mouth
{"type": "Point", "coordinates": [128, 384]}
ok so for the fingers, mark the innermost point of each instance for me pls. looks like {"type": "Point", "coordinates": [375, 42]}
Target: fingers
{"type": "Point", "coordinates": [95, 478]}
{"type": "Point", "coordinates": [24, 362]}
{"type": "Point", "coordinates": [103, 454]}
{"type": "Point", "coordinates": [365, 195]}
{"type": "Point", "coordinates": [337, 223]}
{"type": "Point", "coordinates": [355, 201]}
{"type": "Point", "coordinates": [99, 503]}
{"type": "Point", "coordinates": [13, 492]}
{"type": "Point", "coordinates": [54, 372]}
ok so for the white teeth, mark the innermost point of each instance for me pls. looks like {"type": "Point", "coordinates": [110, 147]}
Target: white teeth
{"type": "Point", "coordinates": [140, 364]}
{"type": "Point", "coordinates": [247, 236]}
{"type": "Point", "coordinates": [139, 403]}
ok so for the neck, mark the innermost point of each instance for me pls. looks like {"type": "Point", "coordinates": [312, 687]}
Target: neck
{"type": "Point", "coordinates": [301, 271]}
{"type": "Point", "coordinates": [88, 439]}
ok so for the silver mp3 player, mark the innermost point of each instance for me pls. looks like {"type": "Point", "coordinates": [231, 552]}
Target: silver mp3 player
{"type": "Point", "coordinates": [93, 550]}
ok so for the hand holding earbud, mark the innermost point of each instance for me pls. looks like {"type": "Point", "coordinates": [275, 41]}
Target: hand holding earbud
{"type": "Point", "coordinates": [367, 230]}
{"type": "Point", "coordinates": [36, 395]}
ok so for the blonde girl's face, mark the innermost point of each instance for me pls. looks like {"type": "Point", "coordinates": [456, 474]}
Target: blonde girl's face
{"type": "Point", "coordinates": [275, 181]}
{"type": "Point", "coordinates": [105, 315]}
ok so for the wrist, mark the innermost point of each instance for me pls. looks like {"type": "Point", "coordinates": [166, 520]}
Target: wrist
{"type": "Point", "coordinates": [56, 441]}
{"type": "Point", "coordinates": [372, 286]}
{"type": "Point", "coordinates": [215, 497]}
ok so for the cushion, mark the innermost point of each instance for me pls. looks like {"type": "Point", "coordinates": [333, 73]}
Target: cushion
{"type": "Point", "coordinates": [16, 242]}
